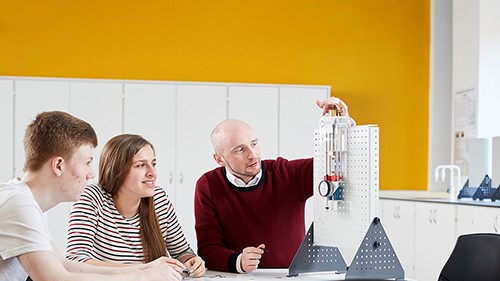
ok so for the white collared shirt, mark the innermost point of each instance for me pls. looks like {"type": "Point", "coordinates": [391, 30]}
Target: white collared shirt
{"type": "Point", "coordinates": [239, 183]}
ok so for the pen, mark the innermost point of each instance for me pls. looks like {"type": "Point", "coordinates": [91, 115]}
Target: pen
{"type": "Point", "coordinates": [265, 250]}
{"type": "Point", "coordinates": [187, 271]}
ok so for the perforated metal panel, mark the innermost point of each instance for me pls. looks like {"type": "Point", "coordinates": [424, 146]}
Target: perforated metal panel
{"type": "Point", "coordinates": [344, 223]}
{"type": "Point", "coordinates": [314, 258]}
{"type": "Point", "coordinates": [375, 257]}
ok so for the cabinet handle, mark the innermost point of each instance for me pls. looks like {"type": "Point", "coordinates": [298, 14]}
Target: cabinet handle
{"type": "Point", "coordinates": [430, 216]}
{"type": "Point", "coordinates": [495, 224]}
{"type": "Point", "coordinates": [170, 178]}
{"type": "Point", "coordinates": [435, 215]}
{"type": "Point", "coordinates": [395, 212]}
{"type": "Point", "coordinates": [181, 178]}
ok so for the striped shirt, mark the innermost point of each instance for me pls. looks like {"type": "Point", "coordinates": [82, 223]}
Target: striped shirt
{"type": "Point", "coordinates": [98, 231]}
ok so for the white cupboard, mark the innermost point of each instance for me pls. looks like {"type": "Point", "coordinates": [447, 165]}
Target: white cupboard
{"type": "Point", "coordinates": [398, 220]}
{"type": "Point", "coordinates": [298, 118]}
{"type": "Point", "coordinates": [424, 234]}
{"type": "Point", "coordinates": [149, 111]}
{"type": "Point", "coordinates": [31, 98]}
{"type": "Point", "coordinates": [474, 219]}
{"type": "Point", "coordinates": [7, 129]}
{"type": "Point", "coordinates": [199, 109]}
{"type": "Point", "coordinates": [100, 104]}
{"type": "Point", "coordinates": [177, 117]}
{"type": "Point", "coordinates": [434, 229]}
{"type": "Point", "coordinates": [257, 106]}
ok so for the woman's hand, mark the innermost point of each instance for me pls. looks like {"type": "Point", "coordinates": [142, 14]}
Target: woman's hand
{"type": "Point", "coordinates": [173, 263]}
{"type": "Point", "coordinates": [195, 266]}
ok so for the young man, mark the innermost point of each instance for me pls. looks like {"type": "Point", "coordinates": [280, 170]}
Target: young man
{"type": "Point", "coordinates": [58, 148]}
{"type": "Point", "coordinates": [250, 212]}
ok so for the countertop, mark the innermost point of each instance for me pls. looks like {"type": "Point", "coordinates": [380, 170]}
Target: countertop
{"type": "Point", "coordinates": [433, 197]}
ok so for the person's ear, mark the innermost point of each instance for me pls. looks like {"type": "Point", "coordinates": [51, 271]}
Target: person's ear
{"type": "Point", "coordinates": [218, 159]}
{"type": "Point", "coordinates": [57, 165]}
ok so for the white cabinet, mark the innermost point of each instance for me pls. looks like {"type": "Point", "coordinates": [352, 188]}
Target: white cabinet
{"type": "Point", "coordinates": [178, 120]}
{"type": "Point", "coordinates": [434, 238]}
{"type": "Point", "coordinates": [424, 234]}
{"type": "Point", "coordinates": [298, 118]}
{"type": "Point", "coordinates": [257, 106]}
{"type": "Point", "coordinates": [398, 220]}
{"type": "Point", "coordinates": [100, 104]}
{"type": "Point", "coordinates": [176, 117]}
{"type": "Point", "coordinates": [7, 129]}
{"type": "Point", "coordinates": [31, 98]}
{"type": "Point", "coordinates": [149, 110]}
{"type": "Point", "coordinates": [477, 219]}
{"type": "Point", "coordinates": [199, 109]}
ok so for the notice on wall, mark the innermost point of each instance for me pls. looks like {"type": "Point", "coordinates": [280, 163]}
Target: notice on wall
{"type": "Point", "coordinates": [465, 125]}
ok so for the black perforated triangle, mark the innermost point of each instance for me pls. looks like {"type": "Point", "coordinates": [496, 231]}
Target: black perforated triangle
{"type": "Point", "coordinates": [375, 257]}
{"type": "Point", "coordinates": [314, 258]}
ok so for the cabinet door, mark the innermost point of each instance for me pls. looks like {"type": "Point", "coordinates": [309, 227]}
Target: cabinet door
{"type": "Point", "coordinates": [199, 109]}
{"type": "Point", "coordinates": [434, 238]}
{"type": "Point", "coordinates": [7, 127]}
{"type": "Point", "coordinates": [33, 97]}
{"type": "Point", "coordinates": [257, 106]}
{"type": "Point", "coordinates": [477, 219]}
{"type": "Point", "coordinates": [149, 110]}
{"type": "Point", "coordinates": [398, 219]}
{"type": "Point", "coordinates": [100, 104]}
{"type": "Point", "coordinates": [298, 118]}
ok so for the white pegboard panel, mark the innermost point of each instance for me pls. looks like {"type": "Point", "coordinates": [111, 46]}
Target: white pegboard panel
{"type": "Point", "coordinates": [345, 225]}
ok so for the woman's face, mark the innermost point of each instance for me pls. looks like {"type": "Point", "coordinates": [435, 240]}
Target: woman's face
{"type": "Point", "coordinates": [141, 179]}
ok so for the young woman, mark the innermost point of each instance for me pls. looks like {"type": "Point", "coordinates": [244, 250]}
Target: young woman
{"type": "Point", "coordinates": [126, 218]}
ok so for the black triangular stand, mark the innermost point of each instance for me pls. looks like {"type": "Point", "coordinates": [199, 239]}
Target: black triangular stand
{"type": "Point", "coordinates": [375, 257]}
{"type": "Point", "coordinates": [313, 258]}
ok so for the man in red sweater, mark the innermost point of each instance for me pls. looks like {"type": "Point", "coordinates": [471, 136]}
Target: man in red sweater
{"type": "Point", "coordinates": [249, 205]}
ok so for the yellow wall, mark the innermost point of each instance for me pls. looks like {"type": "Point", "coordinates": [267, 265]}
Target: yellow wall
{"type": "Point", "coordinates": [374, 54]}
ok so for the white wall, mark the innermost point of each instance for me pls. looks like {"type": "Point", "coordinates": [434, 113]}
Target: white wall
{"type": "Point", "coordinates": [440, 104]}
{"type": "Point", "coordinates": [473, 41]}
{"type": "Point", "coordinates": [489, 69]}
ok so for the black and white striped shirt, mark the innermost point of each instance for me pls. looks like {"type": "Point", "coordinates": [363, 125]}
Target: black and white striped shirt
{"type": "Point", "coordinates": [98, 231]}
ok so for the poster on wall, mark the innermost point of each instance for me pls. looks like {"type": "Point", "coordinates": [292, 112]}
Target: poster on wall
{"type": "Point", "coordinates": [465, 125]}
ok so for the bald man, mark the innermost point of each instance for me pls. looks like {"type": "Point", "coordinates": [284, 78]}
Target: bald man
{"type": "Point", "coordinates": [250, 212]}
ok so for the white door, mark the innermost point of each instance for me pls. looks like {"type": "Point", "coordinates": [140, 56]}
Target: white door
{"type": "Point", "coordinates": [434, 238]}
{"type": "Point", "coordinates": [199, 109]}
{"type": "Point", "coordinates": [149, 110]}
{"type": "Point", "coordinates": [398, 219]}
{"type": "Point", "coordinates": [7, 129]}
{"type": "Point", "coordinates": [477, 219]}
{"type": "Point", "coordinates": [298, 118]}
{"type": "Point", "coordinates": [257, 106]}
{"type": "Point", "coordinates": [33, 97]}
{"type": "Point", "coordinates": [101, 105]}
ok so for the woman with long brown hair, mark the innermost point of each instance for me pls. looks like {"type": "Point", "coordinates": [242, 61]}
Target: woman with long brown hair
{"type": "Point", "coordinates": [126, 218]}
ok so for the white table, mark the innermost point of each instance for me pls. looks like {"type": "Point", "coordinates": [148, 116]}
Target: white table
{"type": "Point", "coordinates": [268, 275]}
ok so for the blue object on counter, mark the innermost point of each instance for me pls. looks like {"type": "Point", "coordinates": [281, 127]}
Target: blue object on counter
{"type": "Point", "coordinates": [484, 191]}
{"type": "Point", "coordinates": [496, 195]}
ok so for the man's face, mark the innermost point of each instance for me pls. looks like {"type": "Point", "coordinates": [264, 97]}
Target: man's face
{"type": "Point", "coordinates": [240, 154]}
{"type": "Point", "coordinates": [78, 170]}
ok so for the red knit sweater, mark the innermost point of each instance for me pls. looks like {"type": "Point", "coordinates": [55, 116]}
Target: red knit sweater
{"type": "Point", "coordinates": [229, 218]}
